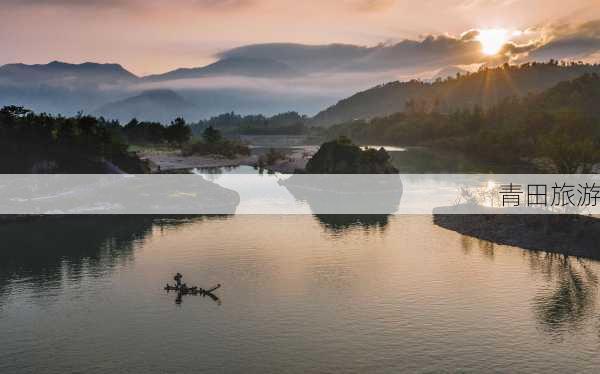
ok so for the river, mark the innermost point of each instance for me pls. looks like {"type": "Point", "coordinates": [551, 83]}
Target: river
{"type": "Point", "coordinates": [300, 293]}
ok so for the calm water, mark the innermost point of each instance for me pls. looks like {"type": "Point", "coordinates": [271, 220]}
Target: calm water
{"type": "Point", "coordinates": [300, 294]}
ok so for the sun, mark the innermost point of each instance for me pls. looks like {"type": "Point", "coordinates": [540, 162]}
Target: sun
{"type": "Point", "coordinates": [492, 40]}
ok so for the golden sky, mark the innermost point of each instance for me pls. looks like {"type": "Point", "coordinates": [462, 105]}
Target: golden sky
{"type": "Point", "coordinates": [152, 36]}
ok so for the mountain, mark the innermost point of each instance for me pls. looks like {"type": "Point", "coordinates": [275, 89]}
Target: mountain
{"type": "Point", "coordinates": [304, 58]}
{"type": "Point", "coordinates": [61, 73]}
{"type": "Point", "coordinates": [484, 88]}
{"type": "Point", "coordinates": [449, 72]}
{"type": "Point", "coordinates": [303, 85]}
{"type": "Point", "coordinates": [233, 66]}
{"type": "Point", "coordinates": [61, 88]}
{"type": "Point", "coordinates": [153, 105]}
{"type": "Point", "coordinates": [558, 125]}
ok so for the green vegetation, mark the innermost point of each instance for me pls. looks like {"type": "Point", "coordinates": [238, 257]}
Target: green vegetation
{"type": "Point", "coordinates": [155, 133]}
{"type": "Point", "coordinates": [486, 115]}
{"type": "Point", "coordinates": [290, 123]}
{"type": "Point", "coordinates": [212, 135]}
{"type": "Point", "coordinates": [214, 143]}
{"type": "Point", "coordinates": [41, 143]}
{"type": "Point", "coordinates": [341, 156]}
{"type": "Point", "coordinates": [561, 124]}
{"type": "Point", "coordinates": [270, 158]}
{"type": "Point", "coordinates": [485, 88]}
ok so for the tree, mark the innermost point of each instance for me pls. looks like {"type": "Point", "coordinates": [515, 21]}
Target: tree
{"type": "Point", "coordinates": [179, 132]}
{"type": "Point", "coordinates": [14, 111]}
{"type": "Point", "coordinates": [211, 135]}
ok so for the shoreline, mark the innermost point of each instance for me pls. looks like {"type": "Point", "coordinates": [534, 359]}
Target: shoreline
{"type": "Point", "coordinates": [568, 235]}
{"type": "Point", "coordinates": [164, 162]}
{"type": "Point", "coordinates": [169, 162]}
{"type": "Point", "coordinates": [295, 160]}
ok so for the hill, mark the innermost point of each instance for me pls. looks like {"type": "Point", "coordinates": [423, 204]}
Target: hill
{"type": "Point", "coordinates": [63, 73]}
{"type": "Point", "coordinates": [560, 124]}
{"type": "Point", "coordinates": [153, 105]}
{"type": "Point", "coordinates": [484, 88]}
{"type": "Point", "coordinates": [234, 66]}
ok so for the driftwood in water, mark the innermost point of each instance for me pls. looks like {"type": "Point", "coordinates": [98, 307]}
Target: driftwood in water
{"type": "Point", "coordinates": [213, 289]}
{"type": "Point", "coordinates": [194, 291]}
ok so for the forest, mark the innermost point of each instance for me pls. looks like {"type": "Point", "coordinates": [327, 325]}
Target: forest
{"type": "Point", "coordinates": [42, 143]}
{"type": "Point", "coordinates": [557, 128]}
{"type": "Point", "coordinates": [486, 87]}
{"type": "Point", "coordinates": [289, 123]}
{"type": "Point", "coordinates": [561, 124]}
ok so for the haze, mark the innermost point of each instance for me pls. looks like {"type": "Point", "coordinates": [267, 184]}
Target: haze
{"type": "Point", "coordinates": [149, 37]}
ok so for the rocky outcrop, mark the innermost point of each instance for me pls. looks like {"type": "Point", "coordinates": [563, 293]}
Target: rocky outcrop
{"type": "Point", "coordinates": [341, 156]}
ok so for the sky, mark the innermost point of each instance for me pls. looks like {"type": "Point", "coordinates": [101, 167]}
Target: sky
{"type": "Point", "coordinates": [152, 36]}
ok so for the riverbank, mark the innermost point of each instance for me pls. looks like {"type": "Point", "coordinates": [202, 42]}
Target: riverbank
{"type": "Point", "coordinates": [173, 161]}
{"type": "Point", "coordinates": [168, 161]}
{"type": "Point", "coordinates": [570, 235]}
{"type": "Point", "coordinates": [295, 159]}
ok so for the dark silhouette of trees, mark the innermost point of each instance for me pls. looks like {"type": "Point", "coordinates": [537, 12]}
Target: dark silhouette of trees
{"type": "Point", "coordinates": [144, 132]}
{"type": "Point", "coordinates": [32, 142]}
{"type": "Point", "coordinates": [341, 156]}
{"type": "Point", "coordinates": [211, 135]}
{"type": "Point", "coordinates": [486, 88]}
{"type": "Point", "coordinates": [178, 132]}
{"type": "Point", "coordinates": [290, 123]}
{"type": "Point", "coordinates": [561, 124]}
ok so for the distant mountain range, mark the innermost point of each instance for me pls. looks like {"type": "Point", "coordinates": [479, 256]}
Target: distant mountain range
{"type": "Point", "coordinates": [234, 66]}
{"type": "Point", "coordinates": [270, 79]}
{"type": "Point", "coordinates": [154, 105]}
{"type": "Point", "coordinates": [245, 85]}
{"type": "Point", "coordinates": [60, 73]}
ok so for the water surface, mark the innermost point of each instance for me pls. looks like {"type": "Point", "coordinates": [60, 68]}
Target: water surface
{"type": "Point", "coordinates": [300, 294]}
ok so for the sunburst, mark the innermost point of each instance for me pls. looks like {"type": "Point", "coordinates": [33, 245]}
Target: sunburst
{"type": "Point", "coordinates": [492, 40]}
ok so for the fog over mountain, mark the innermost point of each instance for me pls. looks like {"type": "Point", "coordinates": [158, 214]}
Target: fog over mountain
{"type": "Point", "coordinates": [63, 74]}
{"type": "Point", "coordinates": [153, 105]}
{"type": "Point", "coordinates": [231, 66]}
{"type": "Point", "coordinates": [275, 77]}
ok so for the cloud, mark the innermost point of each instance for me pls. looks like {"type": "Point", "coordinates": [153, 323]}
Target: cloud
{"type": "Point", "coordinates": [486, 3]}
{"type": "Point", "coordinates": [130, 4]}
{"type": "Point", "coordinates": [566, 41]}
{"type": "Point", "coordinates": [469, 35]}
{"type": "Point", "coordinates": [66, 3]}
{"type": "Point", "coordinates": [432, 52]}
{"type": "Point", "coordinates": [374, 5]}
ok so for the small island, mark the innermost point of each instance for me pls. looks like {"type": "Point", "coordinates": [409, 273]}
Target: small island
{"type": "Point", "coordinates": [341, 156]}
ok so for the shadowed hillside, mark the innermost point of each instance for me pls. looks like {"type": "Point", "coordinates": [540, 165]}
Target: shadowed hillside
{"type": "Point", "coordinates": [484, 88]}
{"type": "Point", "coordinates": [58, 72]}
{"type": "Point", "coordinates": [153, 105]}
{"type": "Point", "coordinates": [559, 126]}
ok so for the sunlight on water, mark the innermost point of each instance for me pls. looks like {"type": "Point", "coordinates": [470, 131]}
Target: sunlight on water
{"type": "Point", "coordinates": [300, 294]}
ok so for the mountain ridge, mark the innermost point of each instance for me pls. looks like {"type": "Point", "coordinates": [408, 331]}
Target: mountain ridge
{"type": "Point", "coordinates": [483, 88]}
{"type": "Point", "coordinates": [236, 66]}
{"type": "Point", "coordinates": [157, 105]}
{"type": "Point", "coordinates": [57, 70]}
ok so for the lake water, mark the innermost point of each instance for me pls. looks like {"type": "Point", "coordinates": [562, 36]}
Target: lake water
{"type": "Point", "coordinates": [300, 294]}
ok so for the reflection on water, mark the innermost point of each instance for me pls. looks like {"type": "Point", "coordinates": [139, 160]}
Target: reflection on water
{"type": "Point", "coordinates": [48, 250]}
{"type": "Point", "coordinates": [300, 294]}
{"type": "Point", "coordinates": [567, 299]}
{"type": "Point", "coordinates": [343, 222]}
{"type": "Point", "coordinates": [469, 244]}
{"type": "Point", "coordinates": [571, 297]}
